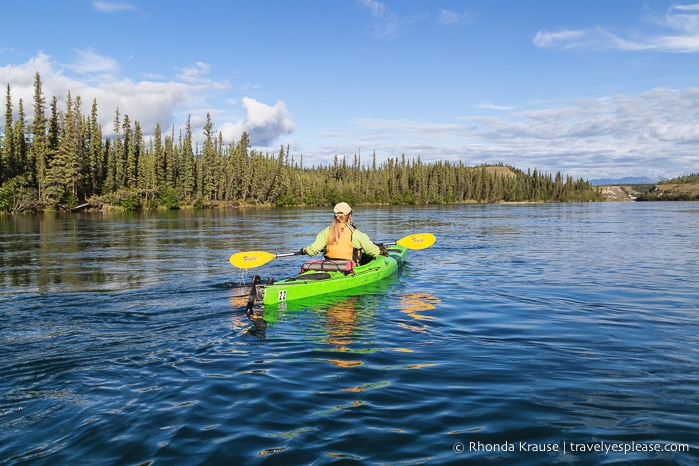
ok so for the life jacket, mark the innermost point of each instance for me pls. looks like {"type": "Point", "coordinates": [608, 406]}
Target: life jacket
{"type": "Point", "coordinates": [343, 249]}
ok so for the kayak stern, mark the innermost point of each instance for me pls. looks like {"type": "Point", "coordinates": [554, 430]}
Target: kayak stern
{"type": "Point", "coordinates": [314, 283]}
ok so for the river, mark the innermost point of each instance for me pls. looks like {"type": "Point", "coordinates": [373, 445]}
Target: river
{"type": "Point", "coordinates": [528, 334]}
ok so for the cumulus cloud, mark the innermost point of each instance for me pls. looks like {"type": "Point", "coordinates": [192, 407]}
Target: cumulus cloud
{"type": "Point", "coordinates": [681, 22]}
{"type": "Point", "coordinates": [263, 123]}
{"type": "Point", "coordinates": [150, 102]}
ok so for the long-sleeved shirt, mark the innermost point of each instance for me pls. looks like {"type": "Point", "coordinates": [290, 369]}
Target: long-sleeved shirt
{"type": "Point", "coordinates": [360, 240]}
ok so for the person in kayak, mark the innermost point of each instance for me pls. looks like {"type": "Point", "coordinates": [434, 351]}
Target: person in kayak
{"type": "Point", "coordinates": [342, 240]}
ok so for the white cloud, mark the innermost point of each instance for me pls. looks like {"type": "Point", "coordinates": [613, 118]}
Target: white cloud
{"type": "Point", "coordinates": [491, 106]}
{"type": "Point", "coordinates": [89, 61]}
{"type": "Point", "coordinates": [377, 9]}
{"type": "Point", "coordinates": [110, 7]}
{"type": "Point", "coordinates": [263, 123]}
{"type": "Point", "coordinates": [651, 134]}
{"type": "Point", "coordinates": [388, 24]}
{"type": "Point", "coordinates": [150, 102]}
{"type": "Point", "coordinates": [563, 39]}
{"type": "Point", "coordinates": [194, 74]}
{"type": "Point", "coordinates": [681, 20]}
{"type": "Point", "coordinates": [389, 129]}
{"type": "Point", "coordinates": [450, 17]}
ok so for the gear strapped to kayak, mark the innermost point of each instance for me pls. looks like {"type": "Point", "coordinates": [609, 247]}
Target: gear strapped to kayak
{"type": "Point", "coordinates": [328, 265]}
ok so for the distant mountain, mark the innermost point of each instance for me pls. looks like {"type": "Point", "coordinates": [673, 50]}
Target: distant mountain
{"type": "Point", "coordinates": [625, 180]}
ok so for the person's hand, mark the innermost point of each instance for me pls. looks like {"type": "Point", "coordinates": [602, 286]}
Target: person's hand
{"type": "Point", "coordinates": [383, 250]}
{"type": "Point", "coordinates": [302, 252]}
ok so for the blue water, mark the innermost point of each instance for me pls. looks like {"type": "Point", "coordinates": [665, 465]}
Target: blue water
{"type": "Point", "coordinates": [566, 328]}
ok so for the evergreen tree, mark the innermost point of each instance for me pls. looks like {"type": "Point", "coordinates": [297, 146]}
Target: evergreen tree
{"type": "Point", "coordinates": [117, 161]}
{"type": "Point", "coordinates": [20, 147]}
{"type": "Point", "coordinates": [130, 156]}
{"type": "Point", "coordinates": [39, 142]}
{"type": "Point", "coordinates": [64, 171]}
{"type": "Point", "coordinates": [160, 168]}
{"type": "Point", "coordinates": [96, 164]}
{"type": "Point", "coordinates": [189, 175]}
{"type": "Point", "coordinates": [210, 169]}
{"type": "Point", "coordinates": [136, 151]}
{"type": "Point", "coordinates": [8, 162]}
{"type": "Point", "coordinates": [170, 158]}
{"type": "Point", "coordinates": [243, 174]}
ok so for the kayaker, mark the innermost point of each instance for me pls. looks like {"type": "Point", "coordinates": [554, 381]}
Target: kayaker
{"type": "Point", "coordinates": [342, 240]}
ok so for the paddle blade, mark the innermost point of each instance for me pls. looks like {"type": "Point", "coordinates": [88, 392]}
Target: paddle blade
{"type": "Point", "coordinates": [417, 241]}
{"type": "Point", "coordinates": [250, 259]}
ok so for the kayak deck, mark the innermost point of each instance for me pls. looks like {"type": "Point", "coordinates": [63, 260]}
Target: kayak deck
{"type": "Point", "coordinates": [313, 282]}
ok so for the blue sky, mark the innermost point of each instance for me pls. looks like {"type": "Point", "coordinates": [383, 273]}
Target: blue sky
{"type": "Point", "coordinates": [592, 88]}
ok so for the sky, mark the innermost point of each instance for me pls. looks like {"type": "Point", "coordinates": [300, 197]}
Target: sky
{"type": "Point", "coordinates": [589, 88]}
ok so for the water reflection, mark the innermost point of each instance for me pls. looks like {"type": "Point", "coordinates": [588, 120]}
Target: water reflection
{"type": "Point", "coordinates": [414, 305]}
{"type": "Point", "coordinates": [114, 251]}
{"type": "Point", "coordinates": [341, 322]}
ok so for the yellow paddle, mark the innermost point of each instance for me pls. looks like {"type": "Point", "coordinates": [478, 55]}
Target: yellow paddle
{"type": "Point", "coordinates": [251, 259]}
{"type": "Point", "coordinates": [416, 241]}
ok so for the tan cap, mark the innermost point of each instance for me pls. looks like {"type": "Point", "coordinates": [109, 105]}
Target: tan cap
{"type": "Point", "coordinates": [342, 208]}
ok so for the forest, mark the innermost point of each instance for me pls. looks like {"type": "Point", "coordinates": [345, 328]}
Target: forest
{"type": "Point", "coordinates": [61, 161]}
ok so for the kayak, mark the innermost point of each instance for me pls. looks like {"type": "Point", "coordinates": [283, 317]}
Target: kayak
{"type": "Point", "coordinates": [320, 277]}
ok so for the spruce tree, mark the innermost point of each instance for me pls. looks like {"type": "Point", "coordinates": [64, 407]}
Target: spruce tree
{"type": "Point", "coordinates": [159, 159]}
{"type": "Point", "coordinates": [209, 161]}
{"type": "Point", "coordinates": [8, 164]}
{"type": "Point", "coordinates": [39, 142]}
{"type": "Point", "coordinates": [189, 176]}
{"type": "Point", "coordinates": [96, 157]}
{"type": "Point", "coordinates": [20, 146]}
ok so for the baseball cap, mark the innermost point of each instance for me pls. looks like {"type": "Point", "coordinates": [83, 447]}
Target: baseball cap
{"type": "Point", "coordinates": [342, 208]}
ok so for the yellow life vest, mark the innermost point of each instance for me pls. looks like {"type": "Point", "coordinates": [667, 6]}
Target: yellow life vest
{"type": "Point", "coordinates": [343, 249]}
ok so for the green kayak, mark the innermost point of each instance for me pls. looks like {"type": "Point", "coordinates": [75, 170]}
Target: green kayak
{"type": "Point", "coordinates": [320, 277]}
{"type": "Point", "coordinates": [323, 277]}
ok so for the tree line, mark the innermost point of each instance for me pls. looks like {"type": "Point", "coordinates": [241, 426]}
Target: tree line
{"type": "Point", "coordinates": [682, 188]}
{"type": "Point", "coordinates": [61, 160]}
